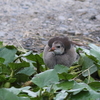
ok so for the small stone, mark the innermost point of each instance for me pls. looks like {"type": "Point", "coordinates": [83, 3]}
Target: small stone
{"type": "Point", "coordinates": [2, 33]}
{"type": "Point", "coordinates": [88, 26]}
{"type": "Point", "coordinates": [26, 5]}
{"type": "Point", "coordinates": [61, 29]}
{"type": "Point", "coordinates": [41, 38]}
{"type": "Point", "coordinates": [35, 19]}
{"type": "Point", "coordinates": [61, 18]}
{"type": "Point", "coordinates": [86, 33]}
{"type": "Point", "coordinates": [33, 2]}
{"type": "Point", "coordinates": [27, 45]}
{"type": "Point", "coordinates": [44, 42]}
{"type": "Point", "coordinates": [80, 0]}
{"type": "Point", "coordinates": [63, 25]}
{"type": "Point", "coordinates": [28, 42]}
{"type": "Point", "coordinates": [98, 38]}
{"type": "Point", "coordinates": [36, 12]}
{"type": "Point", "coordinates": [13, 19]}
{"type": "Point", "coordinates": [70, 19]}
{"type": "Point", "coordinates": [4, 23]}
{"type": "Point", "coordinates": [93, 17]}
{"type": "Point", "coordinates": [5, 11]}
{"type": "Point", "coordinates": [98, 17]}
{"type": "Point", "coordinates": [82, 11]}
{"type": "Point", "coordinates": [70, 32]}
{"type": "Point", "coordinates": [78, 33]}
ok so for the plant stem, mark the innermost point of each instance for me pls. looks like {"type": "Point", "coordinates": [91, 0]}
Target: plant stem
{"type": "Point", "coordinates": [84, 71]}
{"type": "Point", "coordinates": [88, 76]}
{"type": "Point", "coordinates": [40, 93]}
{"type": "Point", "coordinates": [12, 73]}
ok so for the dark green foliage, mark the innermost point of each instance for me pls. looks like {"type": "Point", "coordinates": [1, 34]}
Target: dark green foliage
{"type": "Point", "coordinates": [61, 83]}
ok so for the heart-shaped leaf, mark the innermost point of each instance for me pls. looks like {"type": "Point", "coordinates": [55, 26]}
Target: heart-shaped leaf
{"type": "Point", "coordinates": [8, 53]}
{"type": "Point", "coordinates": [7, 95]}
{"type": "Point", "coordinates": [45, 78]}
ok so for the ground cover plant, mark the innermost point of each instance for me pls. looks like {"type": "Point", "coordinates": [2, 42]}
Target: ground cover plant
{"type": "Point", "coordinates": [24, 76]}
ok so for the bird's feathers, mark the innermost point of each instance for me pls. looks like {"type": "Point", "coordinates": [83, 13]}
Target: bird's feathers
{"type": "Point", "coordinates": [67, 58]}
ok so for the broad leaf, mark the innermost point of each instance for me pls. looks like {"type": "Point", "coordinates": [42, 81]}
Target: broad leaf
{"type": "Point", "coordinates": [17, 66]}
{"type": "Point", "coordinates": [38, 61]}
{"type": "Point", "coordinates": [78, 87]}
{"type": "Point", "coordinates": [66, 85]}
{"type": "Point", "coordinates": [61, 95]}
{"type": "Point", "coordinates": [61, 69]}
{"type": "Point", "coordinates": [94, 47]}
{"type": "Point", "coordinates": [4, 69]}
{"type": "Point", "coordinates": [2, 60]}
{"type": "Point", "coordinates": [95, 86]}
{"type": "Point", "coordinates": [8, 53]}
{"type": "Point", "coordinates": [82, 91]}
{"type": "Point", "coordinates": [16, 91]}
{"type": "Point", "coordinates": [66, 76]}
{"type": "Point", "coordinates": [2, 78]}
{"type": "Point", "coordinates": [30, 93]}
{"type": "Point", "coordinates": [88, 66]}
{"type": "Point", "coordinates": [45, 78]}
{"type": "Point", "coordinates": [7, 95]}
{"type": "Point", "coordinates": [1, 44]}
{"type": "Point", "coordinates": [86, 95]}
{"type": "Point", "coordinates": [20, 78]}
{"type": "Point", "coordinates": [36, 58]}
{"type": "Point", "coordinates": [28, 70]}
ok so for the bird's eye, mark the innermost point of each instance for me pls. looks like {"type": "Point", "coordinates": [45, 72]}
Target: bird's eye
{"type": "Point", "coordinates": [58, 46]}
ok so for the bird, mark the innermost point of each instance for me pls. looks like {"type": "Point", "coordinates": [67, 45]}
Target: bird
{"type": "Point", "coordinates": [59, 50]}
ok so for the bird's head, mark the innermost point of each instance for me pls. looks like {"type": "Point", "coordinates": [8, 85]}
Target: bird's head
{"type": "Point", "coordinates": [59, 45]}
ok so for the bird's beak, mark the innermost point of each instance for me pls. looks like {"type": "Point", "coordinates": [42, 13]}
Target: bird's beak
{"type": "Point", "coordinates": [52, 49]}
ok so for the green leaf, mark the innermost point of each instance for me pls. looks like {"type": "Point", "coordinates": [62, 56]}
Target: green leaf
{"type": "Point", "coordinates": [8, 53]}
{"type": "Point", "coordinates": [45, 78]}
{"type": "Point", "coordinates": [89, 79]}
{"type": "Point", "coordinates": [78, 87]}
{"type": "Point", "coordinates": [28, 70]}
{"type": "Point", "coordinates": [7, 95]}
{"type": "Point", "coordinates": [20, 78]}
{"type": "Point", "coordinates": [61, 95]}
{"type": "Point", "coordinates": [1, 44]}
{"type": "Point", "coordinates": [2, 60]}
{"type": "Point", "coordinates": [82, 91]}
{"type": "Point", "coordinates": [66, 76]}
{"type": "Point", "coordinates": [30, 93]}
{"type": "Point", "coordinates": [94, 47]}
{"type": "Point", "coordinates": [66, 85]}
{"type": "Point", "coordinates": [62, 72]}
{"type": "Point", "coordinates": [88, 66]}
{"type": "Point", "coordinates": [61, 69]}
{"type": "Point", "coordinates": [36, 58]}
{"type": "Point", "coordinates": [38, 61]}
{"type": "Point", "coordinates": [95, 86]}
{"type": "Point", "coordinates": [86, 95]}
{"type": "Point", "coordinates": [17, 66]}
{"type": "Point", "coordinates": [11, 80]}
{"type": "Point", "coordinates": [2, 78]}
{"type": "Point", "coordinates": [94, 53]}
{"type": "Point", "coordinates": [4, 69]}
{"type": "Point", "coordinates": [16, 91]}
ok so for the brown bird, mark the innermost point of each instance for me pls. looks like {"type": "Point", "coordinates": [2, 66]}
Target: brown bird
{"type": "Point", "coordinates": [59, 50]}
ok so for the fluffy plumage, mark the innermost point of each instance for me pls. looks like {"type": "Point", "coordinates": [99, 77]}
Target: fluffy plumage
{"type": "Point", "coordinates": [59, 50]}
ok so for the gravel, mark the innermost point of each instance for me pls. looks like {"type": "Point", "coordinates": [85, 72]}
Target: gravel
{"type": "Point", "coordinates": [31, 23]}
